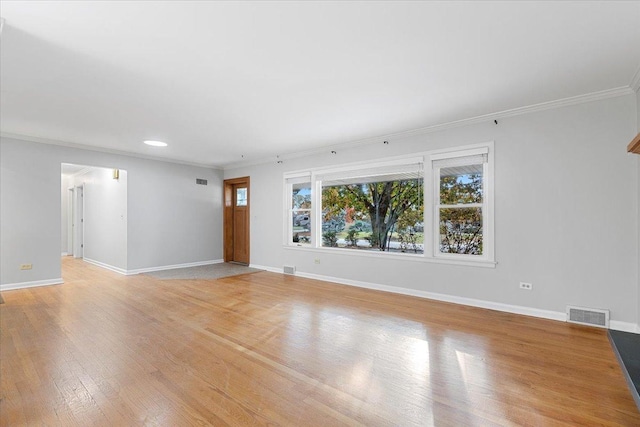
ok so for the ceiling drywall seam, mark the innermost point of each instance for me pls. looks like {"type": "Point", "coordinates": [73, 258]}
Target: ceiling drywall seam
{"type": "Point", "coordinates": [564, 102]}
{"type": "Point", "coordinates": [101, 149]}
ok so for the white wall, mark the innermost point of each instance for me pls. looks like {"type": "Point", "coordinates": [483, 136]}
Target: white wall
{"type": "Point", "coordinates": [171, 220]}
{"type": "Point", "coordinates": [105, 216]}
{"type": "Point", "coordinates": [565, 213]}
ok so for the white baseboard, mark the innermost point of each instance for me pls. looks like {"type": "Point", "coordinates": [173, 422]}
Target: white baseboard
{"type": "Point", "coordinates": [107, 266]}
{"type": "Point", "coordinates": [624, 326]}
{"type": "Point", "coordinates": [150, 269]}
{"type": "Point", "coordinates": [174, 266]}
{"type": "Point", "coordinates": [64, 254]}
{"type": "Point", "coordinates": [508, 308]}
{"type": "Point", "coordinates": [264, 267]}
{"type": "Point", "coordinates": [22, 285]}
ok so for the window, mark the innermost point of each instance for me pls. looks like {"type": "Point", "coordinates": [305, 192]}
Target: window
{"type": "Point", "coordinates": [374, 209]}
{"type": "Point", "coordinates": [299, 210]}
{"type": "Point", "coordinates": [461, 204]}
{"type": "Point", "coordinates": [241, 197]}
{"type": "Point", "coordinates": [395, 207]}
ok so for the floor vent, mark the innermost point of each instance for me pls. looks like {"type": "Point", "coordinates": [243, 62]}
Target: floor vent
{"type": "Point", "coordinates": [588, 316]}
{"type": "Point", "coordinates": [289, 269]}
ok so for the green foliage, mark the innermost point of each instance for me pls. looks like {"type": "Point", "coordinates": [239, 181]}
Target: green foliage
{"type": "Point", "coordinates": [460, 189]}
{"type": "Point", "coordinates": [300, 201]}
{"type": "Point", "coordinates": [329, 238]}
{"type": "Point", "coordinates": [461, 228]}
{"type": "Point", "coordinates": [361, 225]}
{"type": "Point", "coordinates": [408, 239]}
{"type": "Point", "coordinates": [352, 236]}
{"type": "Point", "coordinates": [410, 217]}
{"type": "Point", "coordinates": [383, 202]}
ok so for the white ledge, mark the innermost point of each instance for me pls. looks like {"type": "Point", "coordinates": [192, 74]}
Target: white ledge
{"type": "Point", "coordinates": [395, 256]}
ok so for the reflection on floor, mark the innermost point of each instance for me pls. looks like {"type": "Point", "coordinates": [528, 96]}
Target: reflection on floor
{"type": "Point", "coordinates": [275, 349]}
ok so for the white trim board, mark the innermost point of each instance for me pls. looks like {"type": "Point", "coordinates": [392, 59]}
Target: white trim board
{"type": "Point", "coordinates": [542, 106]}
{"type": "Point", "coordinates": [35, 283]}
{"type": "Point", "coordinates": [21, 285]}
{"type": "Point", "coordinates": [49, 141]}
{"type": "Point", "coordinates": [508, 308]}
{"type": "Point", "coordinates": [548, 105]}
{"type": "Point", "coordinates": [264, 267]}
{"type": "Point", "coordinates": [174, 266]}
{"type": "Point", "coordinates": [150, 269]}
{"type": "Point", "coordinates": [106, 266]}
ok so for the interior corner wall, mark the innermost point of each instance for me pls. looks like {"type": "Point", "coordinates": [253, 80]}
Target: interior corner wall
{"type": "Point", "coordinates": [566, 196]}
{"type": "Point", "coordinates": [171, 220]}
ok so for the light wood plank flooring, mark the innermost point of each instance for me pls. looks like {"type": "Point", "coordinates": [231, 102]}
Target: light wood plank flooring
{"type": "Point", "coordinates": [269, 349]}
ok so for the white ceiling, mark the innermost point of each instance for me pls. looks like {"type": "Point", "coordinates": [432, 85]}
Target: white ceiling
{"type": "Point", "coordinates": [222, 80]}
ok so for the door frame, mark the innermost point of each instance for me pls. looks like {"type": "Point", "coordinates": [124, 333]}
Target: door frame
{"type": "Point", "coordinates": [70, 215]}
{"type": "Point", "coordinates": [78, 221]}
{"type": "Point", "coordinates": [228, 228]}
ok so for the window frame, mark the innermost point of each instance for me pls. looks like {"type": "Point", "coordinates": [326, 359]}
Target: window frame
{"type": "Point", "coordinates": [289, 181]}
{"type": "Point", "coordinates": [486, 205]}
{"type": "Point", "coordinates": [431, 199]}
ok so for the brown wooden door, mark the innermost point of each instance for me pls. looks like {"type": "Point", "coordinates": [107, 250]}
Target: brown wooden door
{"type": "Point", "coordinates": [236, 220]}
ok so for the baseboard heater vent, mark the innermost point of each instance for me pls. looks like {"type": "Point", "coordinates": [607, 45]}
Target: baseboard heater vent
{"type": "Point", "coordinates": [289, 269]}
{"type": "Point", "coordinates": [588, 316]}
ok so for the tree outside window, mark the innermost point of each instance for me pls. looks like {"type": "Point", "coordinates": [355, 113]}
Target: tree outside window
{"type": "Point", "coordinates": [384, 215]}
{"type": "Point", "coordinates": [384, 206]}
{"type": "Point", "coordinates": [459, 210]}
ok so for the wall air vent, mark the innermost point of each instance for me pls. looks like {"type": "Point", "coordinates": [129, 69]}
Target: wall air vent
{"type": "Point", "coordinates": [289, 269]}
{"type": "Point", "coordinates": [201, 181]}
{"type": "Point", "coordinates": [588, 316]}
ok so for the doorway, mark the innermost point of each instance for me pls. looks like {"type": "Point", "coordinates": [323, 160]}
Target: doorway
{"type": "Point", "coordinates": [94, 215]}
{"type": "Point", "coordinates": [236, 220]}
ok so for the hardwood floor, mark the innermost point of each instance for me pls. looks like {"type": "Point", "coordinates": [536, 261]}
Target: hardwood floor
{"type": "Point", "coordinates": [269, 349]}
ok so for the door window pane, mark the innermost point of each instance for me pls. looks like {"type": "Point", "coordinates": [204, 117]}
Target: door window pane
{"type": "Point", "coordinates": [241, 197]}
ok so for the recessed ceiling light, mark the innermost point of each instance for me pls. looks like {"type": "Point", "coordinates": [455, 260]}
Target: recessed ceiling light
{"type": "Point", "coordinates": [156, 143]}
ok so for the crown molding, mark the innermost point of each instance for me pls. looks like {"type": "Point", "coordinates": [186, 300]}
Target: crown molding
{"type": "Point", "coordinates": [60, 143]}
{"type": "Point", "coordinates": [635, 81]}
{"type": "Point", "coordinates": [559, 103]}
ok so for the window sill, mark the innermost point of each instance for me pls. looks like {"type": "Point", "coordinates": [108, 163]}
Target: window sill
{"type": "Point", "coordinates": [395, 256]}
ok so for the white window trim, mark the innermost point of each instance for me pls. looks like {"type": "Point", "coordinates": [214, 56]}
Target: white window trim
{"type": "Point", "coordinates": [431, 251]}
{"type": "Point", "coordinates": [487, 205]}
{"type": "Point", "coordinates": [289, 180]}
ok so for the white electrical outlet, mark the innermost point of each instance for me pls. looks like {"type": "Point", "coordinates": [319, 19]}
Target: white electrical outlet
{"type": "Point", "coordinates": [26, 266]}
{"type": "Point", "coordinates": [316, 261]}
{"type": "Point", "coordinates": [526, 286]}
